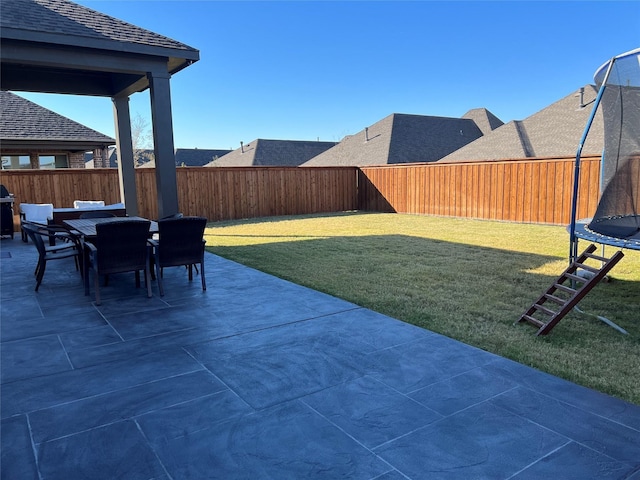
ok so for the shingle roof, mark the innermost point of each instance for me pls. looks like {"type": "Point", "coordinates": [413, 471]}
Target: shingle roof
{"type": "Point", "coordinates": [272, 152]}
{"type": "Point", "coordinates": [485, 120]}
{"type": "Point", "coordinates": [71, 21]}
{"type": "Point", "coordinates": [401, 138]}
{"type": "Point", "coordinates": [553, 131]}
{"type": "Point", "coordinates": [21, 119]}
{"type": "Point", "coordinates": [197, 157]}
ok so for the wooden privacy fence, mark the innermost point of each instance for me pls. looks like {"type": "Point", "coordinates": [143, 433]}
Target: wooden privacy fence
{"type": "Point", "coordinates": [529, 191]}
{"type": "Point", "coordinates": [537, 191]}
{"type": "Point", "coordinates": [216, 193]}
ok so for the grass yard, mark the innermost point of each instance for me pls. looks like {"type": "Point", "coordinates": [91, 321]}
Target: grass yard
{"type": "Point", "coordinates": [467, 279]}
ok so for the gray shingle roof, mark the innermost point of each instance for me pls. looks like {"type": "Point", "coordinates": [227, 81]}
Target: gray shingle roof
{"type": "Point", "coordinates": [71, 22]}
{"type": "Point", "coordinates": [21, 119]}
{"type": "Point", "coordinates": [401, 138]}
{"type": "Point", "coordinates": [197, 157]}
{"type": "Point", "coordinates": [554, 131]}
{"type": "Point", "coordinates": [485, 120]}
{"type": "Point", "coordinates": [272, 152]}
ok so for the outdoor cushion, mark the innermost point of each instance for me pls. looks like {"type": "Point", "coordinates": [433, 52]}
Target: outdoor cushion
{"type": "Point", "coordinates": [37, 212]}
{"type": "Point", "coordinates": [115, 205]}
{"type": "Point", "coordinates": [88, 203]}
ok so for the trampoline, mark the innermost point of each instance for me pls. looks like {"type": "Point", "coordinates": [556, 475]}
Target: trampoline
{"type": "Point", "coordinates": [616, 221]}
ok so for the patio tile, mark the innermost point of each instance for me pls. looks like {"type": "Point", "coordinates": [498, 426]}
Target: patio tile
{"type": "Point", "coordinates": [374, 329]}
{"type": "Point", "coordinates": [576, 462]}
{"type": "Point", "coordinates": [82, 306]}
{"type": "Point", "coordinates": [118, 450]}
{"type": "Point", "coordinates": [16, 309]}
{"type": "Point", "coordinates": [369, 411]}
{"type": "Point", "coordinates": [17, 461]}
{"type": "Point", "coordinates": [247, 316]}
{"type": "Point", "coordinates": [261, 445]}
{"type": "Point", "coordinates": [96, 355]}
{"type": "Point", "coordinates": [635, 475]}
{"type": "Point", "coordinates": [206, 412]}
{"type": "Point", "coordinates": [25, 396]}
{"type": "Point", "coordinates": [100, 410]}
{"type": "Point", "coordinates": [131, 304]}
{"type": "Point", "coordinates": [462, 391]}
{"type": "Point", "coordinates": [391, 475]}
{"type": "Point", "coordinates": [568, 392]}
{"type": "Point", "coordinates": [483, 441]}
{"type": "Point", "coordinates": [435, 358]}
{"type": "Point", "coordinates": [160, 321]}
{"type": "Point", "coordinates": [90, 337]}
{"type": "Point", "coordinates": [282, 363]}
{"type": "Point", "coordinates": [32, 357]}
{"type": "Point", "coordinates": [596, 432]}
{"type": "Point", "coordinates": [20, 328]}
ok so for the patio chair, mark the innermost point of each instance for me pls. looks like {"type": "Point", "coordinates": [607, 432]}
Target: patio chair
{"type": "Point", "coordinates": [88, 204]}
{"type": "Point", "coordinates": [38, 213]}
{"type": "Point", "coordinates": [119, 246]}
{"type": "Point", "coordinates": [47, 252]}
{"type": "Point", "coordinates": [180, 243]}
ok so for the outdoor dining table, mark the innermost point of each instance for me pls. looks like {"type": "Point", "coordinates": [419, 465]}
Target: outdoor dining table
{"type": "Point", "coordinates": [87, 226]}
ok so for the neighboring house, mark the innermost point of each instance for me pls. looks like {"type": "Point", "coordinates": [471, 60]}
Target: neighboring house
{"type": "Point", "coordinates": [33, 137]}
{"type": "Point", "coordinates": [197, 157]}
{"type": "Point", "coordinates": [554, 131]}
{"type": "Point", "coordinates": [185, 157]}
{"type": "Point", "coordinates": [263, 152]}
{"type": "Point", "coordinates": [403, 138]}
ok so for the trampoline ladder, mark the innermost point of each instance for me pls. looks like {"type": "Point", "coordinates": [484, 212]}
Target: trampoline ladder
{"type": "Point", "coordinates": [565, 297]}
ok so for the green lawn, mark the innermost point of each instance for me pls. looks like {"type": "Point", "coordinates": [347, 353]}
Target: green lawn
{"type": "Point", "coordinates": [467, 279]}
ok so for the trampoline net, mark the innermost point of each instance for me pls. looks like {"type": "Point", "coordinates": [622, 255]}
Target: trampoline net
{"type": "Point", "coordinates": [617, 214]}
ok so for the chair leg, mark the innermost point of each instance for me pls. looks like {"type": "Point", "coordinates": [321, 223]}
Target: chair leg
{"type": "Point", "coordinates": [159, 277]}
{"type": "Point", "coordinates": [40, 274]}
{"type": "Point", "coordinates": [96, 286]}
{"type": "Point", "coordinates": [204, 283]}
{"type": "Point", "coordinates": [190, 267]}
{"type": "Point", "coordinates": [147, 279]}
{"type": "Point", "coordinates": [137, 279]}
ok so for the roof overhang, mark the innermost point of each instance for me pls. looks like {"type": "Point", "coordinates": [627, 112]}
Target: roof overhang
{"type": "Point", "coordinates": [52, 145]}
{"type": "Point", "coordinates": [92, 69]}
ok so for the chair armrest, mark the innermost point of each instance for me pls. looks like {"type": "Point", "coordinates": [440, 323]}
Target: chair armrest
{"type": "Point", "coordinates": [91, 247]}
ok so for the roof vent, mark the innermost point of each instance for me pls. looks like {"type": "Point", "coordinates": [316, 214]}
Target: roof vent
{"type": "Point", "coordinates": [241, 147]}
{"type": "Point", "coordinates": [366, 134]}
{"type": "Point", "coordinates": [581, 95]}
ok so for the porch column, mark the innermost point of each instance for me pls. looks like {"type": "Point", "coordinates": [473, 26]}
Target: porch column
{"type": "Point", "coordinates": [124, 145]}
{"type": "Point", "coordinates": [166, 182]}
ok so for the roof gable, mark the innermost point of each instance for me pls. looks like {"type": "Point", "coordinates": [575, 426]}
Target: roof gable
{"type": "Point", "coordinates": [401, 138]}
{"type": "Point", "coordinates": [67, 23]}
{"type": "Point", "coordinates": [263, 152]}
{"type": "Point", "coordinates": [21, 119]}
{"type": "Point", "coordinates": [553, 131]}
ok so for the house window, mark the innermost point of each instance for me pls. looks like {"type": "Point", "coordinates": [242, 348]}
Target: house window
{"type": "Point", "coordinates": [53, 161]}
{"type": "Point", "coordinates": [16, 162]}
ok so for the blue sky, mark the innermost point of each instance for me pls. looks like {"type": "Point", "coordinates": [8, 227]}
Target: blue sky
{"type": "Point", "coordinates": [305, 70]}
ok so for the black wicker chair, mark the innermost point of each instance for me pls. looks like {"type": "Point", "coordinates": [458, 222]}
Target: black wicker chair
{"type": "Point", "coordinates": [48, 252]}
{"type": "Point", "coordinates": [119, 246]}
{"type": "Point", "coordinates": [180, 242]}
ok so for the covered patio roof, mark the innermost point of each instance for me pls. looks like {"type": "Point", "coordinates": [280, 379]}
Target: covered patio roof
{"type": "Point", "coordinates": [57, 46]}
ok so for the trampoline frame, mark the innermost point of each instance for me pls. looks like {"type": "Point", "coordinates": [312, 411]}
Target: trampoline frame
{"type": "Point", "coordinates": [578, 229]}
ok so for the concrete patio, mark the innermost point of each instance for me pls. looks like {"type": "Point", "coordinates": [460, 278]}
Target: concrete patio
{"type": "Point", "coordinates": [258, 378]}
